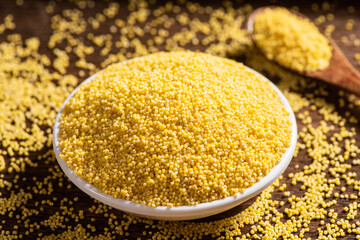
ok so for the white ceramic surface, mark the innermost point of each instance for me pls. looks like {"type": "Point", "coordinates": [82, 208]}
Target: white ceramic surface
{"type": "Point", "coordinates": [182, 212]}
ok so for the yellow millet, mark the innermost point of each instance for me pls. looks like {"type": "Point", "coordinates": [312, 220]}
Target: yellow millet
{"type": "Point", "coordinates": [172, 129]}
{"type": "Point", "coordinates": [2, 163]}
{"type": "Point", "coordinates": [292, 41]}
{"type": "Point", "coordinates": [32, 91]}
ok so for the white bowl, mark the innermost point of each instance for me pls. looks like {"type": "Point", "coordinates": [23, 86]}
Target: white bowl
{"type": "Point", "coordinates": [183, 212]}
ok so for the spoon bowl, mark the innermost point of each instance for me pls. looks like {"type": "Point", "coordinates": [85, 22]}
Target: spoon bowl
{"type": "Point", "coordinates": [340, 72]}
{"type": "Point", "coordinates": [183, 212]}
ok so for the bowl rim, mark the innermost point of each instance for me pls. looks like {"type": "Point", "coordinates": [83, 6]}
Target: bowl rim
{"type": "Point", "coordinates": [187, 212]}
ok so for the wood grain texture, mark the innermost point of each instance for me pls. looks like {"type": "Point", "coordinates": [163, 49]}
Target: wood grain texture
{"type": "Point", "coordinates": [340, 72]}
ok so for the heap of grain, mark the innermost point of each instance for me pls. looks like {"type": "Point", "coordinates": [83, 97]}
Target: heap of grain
{"type": "Point", "coordinates": [174, 129]}
{"type": "Point", "coordinates": [292, 41]}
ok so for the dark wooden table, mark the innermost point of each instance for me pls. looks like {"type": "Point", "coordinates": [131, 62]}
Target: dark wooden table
{"type": "Point", "coordinates": [63, 211]}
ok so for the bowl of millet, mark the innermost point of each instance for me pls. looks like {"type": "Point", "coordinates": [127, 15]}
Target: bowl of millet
{"type": "Point", "coordinates": [175, 135]}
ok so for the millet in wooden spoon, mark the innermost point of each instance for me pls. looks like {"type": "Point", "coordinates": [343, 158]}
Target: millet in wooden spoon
{"type": "Point", "coordinates": [325, 60]}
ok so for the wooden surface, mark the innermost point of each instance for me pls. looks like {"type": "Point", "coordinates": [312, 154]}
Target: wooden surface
{"type": "Point", "coordinates": [339, 72]}
{"type": "Point", "coordinates": [32, 21]}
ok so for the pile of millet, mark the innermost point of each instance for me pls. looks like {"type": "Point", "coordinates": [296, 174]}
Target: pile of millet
{"type": "Point", "coordinates": [172, 129]}
{"type": "Point", "coordinates": [292, 41]}
{"type": "Point", "coordinates": [318, 195]}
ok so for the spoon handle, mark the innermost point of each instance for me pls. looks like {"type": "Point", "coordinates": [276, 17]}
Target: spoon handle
{"type": "Point", "coordinates": [340, 72]}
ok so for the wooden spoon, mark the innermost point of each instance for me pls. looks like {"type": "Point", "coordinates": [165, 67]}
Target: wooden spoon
{"type": "Point", "coordinates": [340, 72]}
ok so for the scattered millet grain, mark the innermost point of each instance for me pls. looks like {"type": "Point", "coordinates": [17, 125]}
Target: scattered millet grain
{"type": "Point", "coordinates": [290, 40]}
{"type": "Point", "coordinates": [2, 163]}
{"type": "Point", "coordinates": [322, 155]}
{"type": "Point", "coordinates": [173, 129]}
